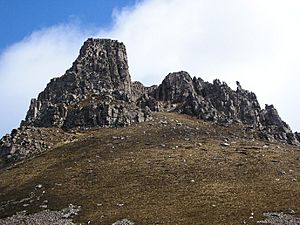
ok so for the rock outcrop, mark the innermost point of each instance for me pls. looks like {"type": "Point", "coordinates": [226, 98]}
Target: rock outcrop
{"type": "Point", "coordinates": [94, 92]}
{"type": "Point", "coordinates": [217, 102]}
{"type": "Point", "coordinates": [29, 141]}
{"type": "Point", "coordinates": [97, 91]}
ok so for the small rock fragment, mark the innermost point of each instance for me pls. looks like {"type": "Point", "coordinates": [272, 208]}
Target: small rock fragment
{"type": "Point", "coordinates": [123, 222]}
{"type": "Point", "coordinates": [225, 144]}
{"type": "Point", "coordinates": [39, 186]}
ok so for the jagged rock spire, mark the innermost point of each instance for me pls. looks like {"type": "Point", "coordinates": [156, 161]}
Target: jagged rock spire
{"type": "Point", "coordinates": [217, 102]}
{"type": "Point", "coordinates": [95, 91]}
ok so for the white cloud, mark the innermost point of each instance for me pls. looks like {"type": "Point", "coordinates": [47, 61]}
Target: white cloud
{"type": "Point", "coordinates": [253, 41]}
{"type": "Point", "coordinates": [26, 67]}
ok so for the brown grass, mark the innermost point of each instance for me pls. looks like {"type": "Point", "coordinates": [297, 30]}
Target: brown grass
{"type": "Point", "coordinates": [154, 173]}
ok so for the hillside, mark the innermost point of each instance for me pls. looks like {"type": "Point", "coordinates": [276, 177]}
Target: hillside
{"type": "Point", "coordinates": [172, 170]}
{"type": "Point", "coordinates": [97, 148]}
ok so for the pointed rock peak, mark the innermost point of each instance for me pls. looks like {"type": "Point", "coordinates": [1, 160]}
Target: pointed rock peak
{"type": "Point", "coordinates": [101, 67]}
{"type": "Point", "coordinates": [98, 48]}
{"type": "Point", "coordinates": [217, 82]}
{"type": "Point", "coordinates": [175, 87]}
{"type": "Point", "coordinates": [98, 81]}
{"type": "Point", "coordinates": [179, 80]}
{"type": "Point", "coordinates": [176, 76]}
{"type": "Point", "coordinates": [101, 41]}
{"type": "Point", "coordinates": [103, 57]}
{"type": "Point", "coordinates": [239, 86]}
{"type": "Point", "coordinates": [272, 117]}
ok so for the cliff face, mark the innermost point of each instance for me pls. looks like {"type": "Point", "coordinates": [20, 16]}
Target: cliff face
{"type": "Point", "coordinates": [97, 91]}
{"type": "Point", "coordinates": [94, 92]}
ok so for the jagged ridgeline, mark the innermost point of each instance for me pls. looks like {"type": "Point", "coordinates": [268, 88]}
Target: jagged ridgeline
{"type": "Point", "coordinates": [97, 91]}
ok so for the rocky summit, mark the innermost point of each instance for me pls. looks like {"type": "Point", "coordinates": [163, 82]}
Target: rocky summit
{"type": "Point", "coordinates": [97, 148]}
{"type": "Point", "coordinates": [97, 91]}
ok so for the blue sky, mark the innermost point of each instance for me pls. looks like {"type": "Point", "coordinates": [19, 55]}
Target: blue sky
{"type": "Point", "coordinates": [254, 42]}
{"type": "Point", "coordinates": [19, 18]}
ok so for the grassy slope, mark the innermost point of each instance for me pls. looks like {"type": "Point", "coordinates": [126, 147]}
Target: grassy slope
{"type": "Point", "coordinates": [200, 182]}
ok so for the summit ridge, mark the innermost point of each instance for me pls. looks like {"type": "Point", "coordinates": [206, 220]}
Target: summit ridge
{"type": "Point", "coordinates": [97, 91]}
